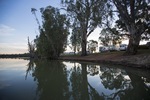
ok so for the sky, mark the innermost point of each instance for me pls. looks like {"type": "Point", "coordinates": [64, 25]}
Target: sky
{"type": "Point", "coordinates": [17, 23]}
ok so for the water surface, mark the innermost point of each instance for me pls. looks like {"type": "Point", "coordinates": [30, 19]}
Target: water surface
{"type": "Point", "coordinates": [59, 80]}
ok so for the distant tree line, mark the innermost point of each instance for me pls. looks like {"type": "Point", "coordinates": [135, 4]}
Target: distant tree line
{"type": "Point", "coordinates": [14, 55]}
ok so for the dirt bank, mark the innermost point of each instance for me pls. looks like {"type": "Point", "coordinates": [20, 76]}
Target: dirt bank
{"type": "Point", "coordinates": [141, 60]}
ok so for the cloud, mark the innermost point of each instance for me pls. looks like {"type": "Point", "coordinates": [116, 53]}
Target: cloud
{"type": "Point", "coordinates": [6, 30]}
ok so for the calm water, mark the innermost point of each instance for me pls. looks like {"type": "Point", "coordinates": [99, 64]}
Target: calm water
{"type": "Point", "coordinates": [57, 80]}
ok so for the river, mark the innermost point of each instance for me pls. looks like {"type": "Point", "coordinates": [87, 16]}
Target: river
{"type": "Point", "coordinates": [22, 79]}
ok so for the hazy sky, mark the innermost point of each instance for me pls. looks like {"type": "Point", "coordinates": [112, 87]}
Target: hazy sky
{"type": "Point", "coordinates": [17, 23]}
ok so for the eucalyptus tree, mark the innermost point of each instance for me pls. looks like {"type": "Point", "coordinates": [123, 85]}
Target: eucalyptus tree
{"type": "Point", "coordinates": [53, 33]}
{"type": "Point", "coordinates": [110, 36]}
{"type": "Point", "coordinates": [92, 45]}
{"type": "Point", "coordinates": [89, 15]}
{"type": "Point", "coordinates": [76, 39]}
{"type": "Point", "coordinates": [134, 18]}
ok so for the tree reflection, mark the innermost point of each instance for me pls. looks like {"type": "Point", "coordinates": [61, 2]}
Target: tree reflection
{"type": "Point", "coordinates": [93, 69]}
{"type": "Point", "coordinates": [30, 68]}
{"type": "Point", "coordinates": [76, 81]}
{"type": "Point", "coordinates": [51, 77]}
{"type": "Point", "coordinates": [139, 93]}
{"type": "Point", "coordinates": [112, 78]}
{"type": "Point", "coordinates": [57, 82]}
{"type": "Point", "coordinates": [125, 84]}
{"type": "Point", "coordinates": [81, 89]}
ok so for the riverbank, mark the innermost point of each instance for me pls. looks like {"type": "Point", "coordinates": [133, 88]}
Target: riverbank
{"type": "Point", "coordinates": [141, 60]}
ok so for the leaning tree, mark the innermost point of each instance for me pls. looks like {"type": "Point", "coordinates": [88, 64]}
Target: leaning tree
{"type": "Point", "coordinates": [88, 14]}
{"type": "Point", "coordinates": [53, 32]}
{"type": "Point", "coordinates": [134, 16]}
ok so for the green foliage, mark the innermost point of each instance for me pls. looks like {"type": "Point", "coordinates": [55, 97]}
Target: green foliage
{"type": "Point", "coordinates": [76, 39]}
{"type": "Point", "coordinates": [88, 14]}
{"type": "Point", "coordinates": [92, 45]}
{"type": "Point", "coordinates": [109, 35]}
{"type": "Point", "coordinates": [53, 34]}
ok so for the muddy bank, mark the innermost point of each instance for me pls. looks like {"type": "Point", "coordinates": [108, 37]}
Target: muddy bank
{"type": "Point", "coordinates": [141, 60]}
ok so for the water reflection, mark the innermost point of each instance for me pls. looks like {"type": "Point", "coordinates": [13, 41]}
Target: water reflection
{"type": "Point", "coordinates": [30, 68]}
{"type": "Point", "coordinates": [13, 85]}
{"type": "Point", "coordinates": [115, 79]}
{"type": "Point", "coordinates": [81, 89]}
{"type": "Point", "coordinates": [52, 80]}
{"type": "Point", "coordinates": [58, 80]}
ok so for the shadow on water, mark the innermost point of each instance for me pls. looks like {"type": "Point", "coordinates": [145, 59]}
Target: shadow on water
{"type": "Point", "coordinates": [51, 77]}
{"type": "Point", "coordinates": [31, 67]}
{"type": "Point", "coordinates": [57, 80]}
{"type": "Point", "coordinates": [128, 86]}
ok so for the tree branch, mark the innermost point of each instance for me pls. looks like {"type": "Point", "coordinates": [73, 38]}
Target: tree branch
{"type": "Point", "coordinates": [90, 32]}
{"type": "Point", "coordinates": [122, 10]}
{"type": "Point", "coordinates": [117, 94]}
{"type": "Point", "coordinates": [132, 10]}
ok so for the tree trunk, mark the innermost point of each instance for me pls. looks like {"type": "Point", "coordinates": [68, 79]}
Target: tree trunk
{"type": "Point", "coordinates": [134, 40]}
{"type": "Point", "coordinates": [133, 45]}
{"type": "Point", "coordinates": [84, 40]}
{"type": "Point", "coordinates": [75, 48]}
{"type": "Point", "coordinates": [83, 44]}
{"type": "Point", "coordinates": [84, 92]}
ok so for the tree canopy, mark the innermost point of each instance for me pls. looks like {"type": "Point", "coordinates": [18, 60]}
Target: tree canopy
{"type": "Point", "coordinates": [76, 39]}
{"type": "Point", "coordinates": [53, 33]}
{"type": "Point", "coordinates": [88, 14]}
{"type": "Point", "coordinates": [134, 18]}
{"type": "Point", "coordinates": [92, 45]}
{"type": "Point", "coordinates": [110, 36]}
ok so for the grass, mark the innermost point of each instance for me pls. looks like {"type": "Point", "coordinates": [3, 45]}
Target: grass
{"type": "Point", "coordinates": [143, 51]}
{"type": "Point", "coordinates": [96, 54]}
